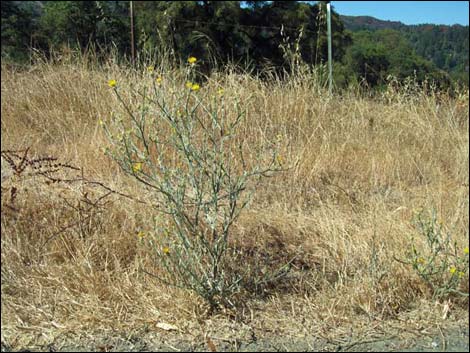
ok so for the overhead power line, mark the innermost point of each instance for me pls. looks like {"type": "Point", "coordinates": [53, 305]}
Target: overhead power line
{"type": "Point", "coordinates": [244, 26]}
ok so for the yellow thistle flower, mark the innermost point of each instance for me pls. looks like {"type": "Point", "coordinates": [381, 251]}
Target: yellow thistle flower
{"type": "Point", "coordinates": [150, 68]}
{"type": "Point", "coordinates": [137, 167]}
{"type": "Point", "coordinates": [452, 270]}
{"type": "Point", "coordinates": [195, 87]}
{"type": "Point", "coordinates": [112, 83]}
{"type": "Point", "coordinates": [421, 260]}
{"type": "Point", "coordinates": [461, 274]}
{"type": "Point", "coordinates": [189, 84]}
{"type": "Point", "coordinates": [166, 250]}
{"type": "Point", "coordinates": [141, 235]}
{"type": "Point", "coordinates": [159, 80]}
{"type": "Point", "coordinates": [192, 60]}
{"type": "Point", "coordinates": [465, 250]}
{"type": "Point", "coordinates": [220, 92]}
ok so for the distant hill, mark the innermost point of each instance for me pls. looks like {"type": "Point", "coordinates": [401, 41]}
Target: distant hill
{"type": "Point", "coordinates": [445, 46]}
{"type": "Point", "coordinates": [357, 23]}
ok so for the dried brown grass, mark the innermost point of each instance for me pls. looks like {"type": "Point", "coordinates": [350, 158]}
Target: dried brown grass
{"type": "Point", "coordinates": [360, 166]}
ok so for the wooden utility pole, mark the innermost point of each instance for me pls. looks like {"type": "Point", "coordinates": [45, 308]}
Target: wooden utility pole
{"type": "Point", "coordinates": [131, 13]}
{"type": "Point", "coordinates": [330, 54]}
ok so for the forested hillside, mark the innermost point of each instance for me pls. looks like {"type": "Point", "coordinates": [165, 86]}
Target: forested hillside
{"type": "Point", "coordinates": [445, 46]}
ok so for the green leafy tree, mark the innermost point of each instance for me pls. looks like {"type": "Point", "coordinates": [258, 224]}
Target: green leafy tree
{"type": "Point", "coordinates": [376, 55]}
{"type": "Point", "coordinates": [70, 22]}
{"type": "Point", "coordinates": [113, 27]}
{"type": "Point", "coordinates": [206, 29]}
{"type": "Point", "coordinates": [370, 62]}
{"type": "Point", "coordinates": [17, 30]}
{"type": "Point", "coordinates": [83, 23]}
{"type": "Point", "coordinates": [218, 32]}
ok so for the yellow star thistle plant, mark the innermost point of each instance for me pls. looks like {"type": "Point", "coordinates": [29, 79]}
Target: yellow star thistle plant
{"type": "Point", "coordinates": [195, 213]}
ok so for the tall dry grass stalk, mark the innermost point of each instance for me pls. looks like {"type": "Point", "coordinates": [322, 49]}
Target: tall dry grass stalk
{"type": "Point", "coordinates": [360, 167]}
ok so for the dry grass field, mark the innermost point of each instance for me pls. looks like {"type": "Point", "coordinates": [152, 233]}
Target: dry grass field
{"type": "Point", "coordinates": [358, 169]}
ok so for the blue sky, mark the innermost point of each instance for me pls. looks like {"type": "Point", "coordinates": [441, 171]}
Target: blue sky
{"type": "Point", "coordinates": [408, 12]}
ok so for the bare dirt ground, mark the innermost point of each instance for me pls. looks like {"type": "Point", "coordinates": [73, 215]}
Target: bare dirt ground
{"type": "Point", "coordinates": [453, 338]}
